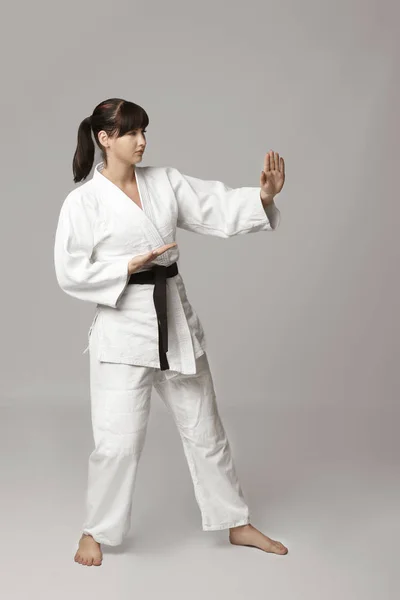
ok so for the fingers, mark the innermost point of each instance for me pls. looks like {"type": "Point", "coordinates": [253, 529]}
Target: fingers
{"type": "Point", "coordinates": [273, 162]}
{"type": "Point", "coordinates": [161, 249]}
{"type": "Point", "coordinates": [142, 259]}
{"type": "Point", "coordinates": [164, 248]}
{"type": "Point", "coordinates": [269, 163]}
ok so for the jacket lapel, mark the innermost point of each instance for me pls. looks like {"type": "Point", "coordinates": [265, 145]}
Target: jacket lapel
{"type": "Point", "coordinates": [128, 209]}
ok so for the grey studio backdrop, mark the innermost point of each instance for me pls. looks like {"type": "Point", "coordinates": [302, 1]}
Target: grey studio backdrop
{"type": "Point", "coordinates": [302, 322]}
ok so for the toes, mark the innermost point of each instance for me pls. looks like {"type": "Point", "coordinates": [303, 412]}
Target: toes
{"type": "Point", "coordinates": [88, 562]}
{"type": "Point", "coordinates": [279, 547]}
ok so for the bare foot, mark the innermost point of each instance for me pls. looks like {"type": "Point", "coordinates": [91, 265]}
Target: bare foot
{"type": "Point", "coordinates": [247, 535]}
{"type": "Point", "coordinates": [89, 552]}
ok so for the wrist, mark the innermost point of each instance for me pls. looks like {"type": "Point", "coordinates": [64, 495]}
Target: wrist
{"type": "Point", "coordinates": [266, 199]}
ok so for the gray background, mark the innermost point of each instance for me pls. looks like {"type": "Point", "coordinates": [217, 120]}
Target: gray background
{"type": "Point", "coordinates": [302, 323]}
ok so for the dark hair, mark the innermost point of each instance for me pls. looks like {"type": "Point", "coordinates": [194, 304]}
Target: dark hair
{"type": "Point", "coordinates": [114, 116]}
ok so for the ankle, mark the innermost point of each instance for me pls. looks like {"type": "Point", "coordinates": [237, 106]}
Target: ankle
{"type": "Point", "coordinates": [240, 527]}
{"type": "Point", "coordinates": [87, 535]}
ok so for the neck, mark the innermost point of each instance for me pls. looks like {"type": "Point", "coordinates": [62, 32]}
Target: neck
{"type": "Point", "coordinates": [119, 173]}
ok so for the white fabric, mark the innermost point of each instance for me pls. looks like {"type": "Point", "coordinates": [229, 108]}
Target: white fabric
{"type": "Point", "coordinates": [100, 229]}
{"type": "Point", "coordinates": [120, 406]}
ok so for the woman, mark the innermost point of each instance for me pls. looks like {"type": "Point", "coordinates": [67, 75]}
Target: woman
{"type": "Point", "coordinates": [115, 246]}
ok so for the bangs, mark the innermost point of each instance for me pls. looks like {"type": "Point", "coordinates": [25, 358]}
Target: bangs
{"type": "Point", "coordinates": [131, 116]}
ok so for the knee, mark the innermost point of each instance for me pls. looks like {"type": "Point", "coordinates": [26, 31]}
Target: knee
{"type": "Point", "coordinates": [205, 431]}
{"type": "Point", "coordinates": [119, 444]}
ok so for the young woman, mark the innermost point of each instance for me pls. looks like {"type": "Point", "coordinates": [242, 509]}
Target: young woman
{"type": "Point", "coordinates": [115, 246]}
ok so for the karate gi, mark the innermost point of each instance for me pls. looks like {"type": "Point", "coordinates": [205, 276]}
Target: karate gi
{"type": "Point", "coordinates": [99, 230]}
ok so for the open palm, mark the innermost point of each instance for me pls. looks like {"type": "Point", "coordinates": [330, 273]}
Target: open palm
{"type": "Point", "coordinates": [273, 176]}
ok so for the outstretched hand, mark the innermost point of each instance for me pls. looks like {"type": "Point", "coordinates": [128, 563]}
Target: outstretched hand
{"type": "Point", "coordinates": [273, 176]}
{"type": "Point", "coordinates": [143, 259]}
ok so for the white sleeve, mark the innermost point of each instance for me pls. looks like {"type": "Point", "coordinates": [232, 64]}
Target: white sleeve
{"type": "Point", "coordinates": [101, 282]}
{"type": "Point", "coordinates": [213, 208]}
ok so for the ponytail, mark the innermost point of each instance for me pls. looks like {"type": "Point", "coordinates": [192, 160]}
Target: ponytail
{"type": "Point", "coordinates": [84, 153]}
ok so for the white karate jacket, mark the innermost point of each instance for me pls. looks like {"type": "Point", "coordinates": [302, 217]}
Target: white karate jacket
{"type": "Point", "coordinates": [100, 229]}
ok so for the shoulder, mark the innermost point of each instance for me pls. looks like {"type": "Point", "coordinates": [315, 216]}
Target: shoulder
{"type": "Point", "coordinates": [83, 196]}
{"type": "Point", "coordinates": [157, 171]}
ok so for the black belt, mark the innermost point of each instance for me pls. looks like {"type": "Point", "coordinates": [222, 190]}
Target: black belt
{"type": "Point", "coordinates": [157, 275]}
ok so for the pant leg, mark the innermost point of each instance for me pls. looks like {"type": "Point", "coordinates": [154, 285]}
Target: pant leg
{"type": "Point", "coordinates": [120, 406]}
{"type": "Point", "coordinates": [192, 401]}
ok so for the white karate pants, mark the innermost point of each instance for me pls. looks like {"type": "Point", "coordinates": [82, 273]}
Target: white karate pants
{"type": "Point", "coordinates": [120, 405]}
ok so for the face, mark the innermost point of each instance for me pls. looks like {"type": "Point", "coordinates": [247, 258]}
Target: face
{"type": "Point", "coordinates": [128, 148]}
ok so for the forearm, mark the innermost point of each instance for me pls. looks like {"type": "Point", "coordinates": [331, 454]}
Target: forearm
{"type": "Point", "coordinates": [266, 199]}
